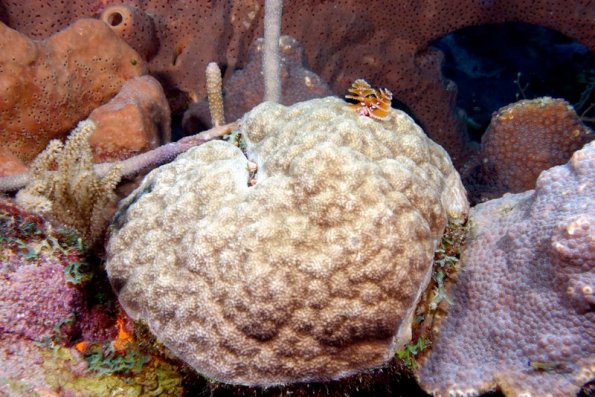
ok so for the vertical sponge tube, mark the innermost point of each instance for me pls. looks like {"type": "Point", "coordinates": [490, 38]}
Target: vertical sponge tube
{"type": "Point", "coordinates": [214, 95]}
{"type": "Point", "coordinates": [271, 60]}
{"type": "Point", "coordinates": [134, 26]}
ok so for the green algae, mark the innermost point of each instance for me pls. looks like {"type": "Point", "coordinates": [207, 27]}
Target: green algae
{"type": "Point", "coordinates": [66, 371]}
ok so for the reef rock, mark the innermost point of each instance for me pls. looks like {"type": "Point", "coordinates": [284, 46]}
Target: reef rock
{"type": "Point", "coordinates": [308, 270]}
{"type": "Point", "coordinates": [523, 317]}
{"type": "Point", "coordinates": [41, 269]}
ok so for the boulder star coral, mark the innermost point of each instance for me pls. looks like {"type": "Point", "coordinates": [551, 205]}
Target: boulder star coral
{"type": "Point", "coordinates": [311, 273]}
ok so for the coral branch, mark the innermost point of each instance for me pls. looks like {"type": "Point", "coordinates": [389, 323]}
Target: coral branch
{"type": "Point", "coordinates": [163, 154]}
{"type": "Point", "coordinates": [215, 94]}
{"type": "Point", "coordinates": [135, 165]}
{"type": "Point", "coordinates": [64, 186]}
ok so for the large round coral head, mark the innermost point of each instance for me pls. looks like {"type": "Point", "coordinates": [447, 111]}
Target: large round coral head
{"type": "Point", "coordinates": [310, 273]}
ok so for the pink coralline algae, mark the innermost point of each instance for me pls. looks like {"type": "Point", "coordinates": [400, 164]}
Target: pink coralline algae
{"type": "Point", "coordinates": [39, 272]}
{"type": "Point", "coordinates": [523, 317]}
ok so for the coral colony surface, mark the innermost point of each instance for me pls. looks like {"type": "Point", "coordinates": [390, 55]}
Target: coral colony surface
{"type": "Point", "coordinates": [410, 213]}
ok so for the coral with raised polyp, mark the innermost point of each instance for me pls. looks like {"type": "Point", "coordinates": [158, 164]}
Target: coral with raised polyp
{"type": "Point", "coordinates": [523, 312]}
{"type": "Point", "coordinates": [524, 139]}
{"type": "Point", "coordinates": [311, 273]}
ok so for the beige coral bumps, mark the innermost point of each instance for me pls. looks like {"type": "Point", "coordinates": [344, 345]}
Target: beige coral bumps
{"type": "Point", "coordinates": [312, 273]}
{"type": "Point", "coordinates": [523, 317]}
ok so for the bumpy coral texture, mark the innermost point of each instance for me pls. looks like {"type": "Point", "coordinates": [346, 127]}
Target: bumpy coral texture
{"type": "Point", "coordinates": [48, 86]}
{"type": "Point", "coordinates": [528, 137]}
{"type": "Point", "coordinates": [384, 41]}
{"type": "Point", "coordinates": [311, 273]}
{"type": "Point", "coordinates": [523, 315]}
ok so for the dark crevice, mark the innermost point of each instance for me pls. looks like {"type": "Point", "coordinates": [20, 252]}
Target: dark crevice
{"type": "Point", "coordinates": [495, 65]}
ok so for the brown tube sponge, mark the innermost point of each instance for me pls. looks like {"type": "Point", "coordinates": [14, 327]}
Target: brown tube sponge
{"type": "Point", "coordinates": [134, 26]}
{"type": "Point", "coordinates": [48, 86]}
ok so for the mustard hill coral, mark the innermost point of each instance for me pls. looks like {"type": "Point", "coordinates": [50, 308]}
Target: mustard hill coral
{"type": "Point", "coordinates": [524, 139]}
{"type": "Point", "coordinates": [528, 137]}
{"type": "Point", "coordinates": [523, 313]}
{"type": "Point", "coordinates": [312, 272]}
